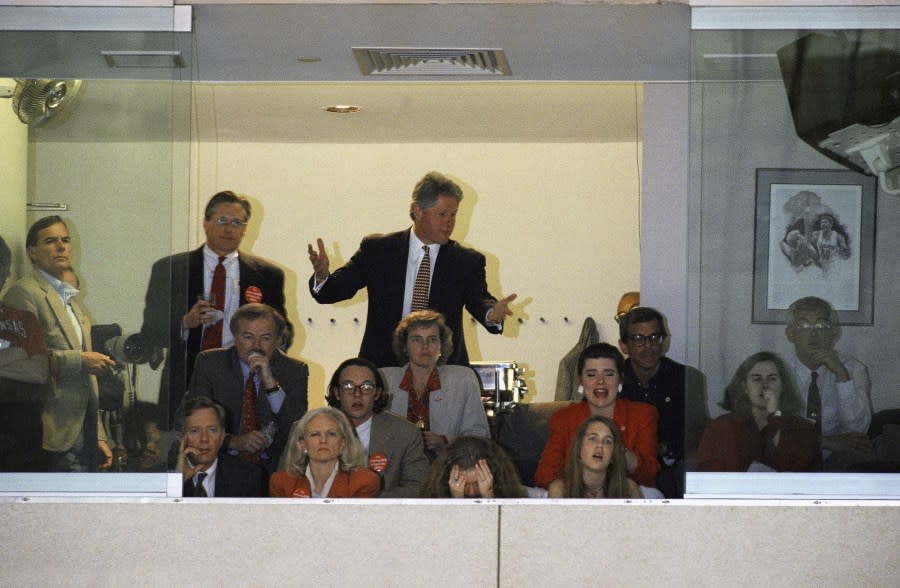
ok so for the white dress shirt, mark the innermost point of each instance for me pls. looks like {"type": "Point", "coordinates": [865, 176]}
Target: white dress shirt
{"type": "Point", "coordinates": [845, 405]}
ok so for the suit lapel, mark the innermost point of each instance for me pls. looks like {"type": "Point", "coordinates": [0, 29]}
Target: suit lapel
{"type": "Point", "coordinates": [60, 314]}
{"type": "Point", "coordinates": [195, 276]}
{"type": "Point", "coordinates": [379, 436]}
{"type": "Point", "coordinates": [442, 279]}
{"type": "Point", "coordinates": [232, 382]}
{"type": "Point", "coordinates": [248, 276]}
{"type": "Point", "coordinates": [222, 488]}
{"type": "Point", "coordinates": [85, 323]}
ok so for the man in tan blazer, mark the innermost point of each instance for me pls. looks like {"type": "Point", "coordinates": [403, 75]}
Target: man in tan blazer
{"type": "Point", "coordinates": [73, 434]}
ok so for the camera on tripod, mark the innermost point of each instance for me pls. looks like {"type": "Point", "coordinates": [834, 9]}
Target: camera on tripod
{"type": "Point", "coordinates": [130, 348]}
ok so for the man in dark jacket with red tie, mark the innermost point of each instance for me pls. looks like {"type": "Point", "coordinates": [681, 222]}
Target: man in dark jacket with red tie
{"type": "Point", "coordinates": [187, 309]}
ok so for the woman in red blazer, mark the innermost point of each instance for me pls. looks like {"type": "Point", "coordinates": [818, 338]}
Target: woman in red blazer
{"type": "Point", "coordinates": [323, 459]}
{"type": "Point", "coordinates": [600, 368]}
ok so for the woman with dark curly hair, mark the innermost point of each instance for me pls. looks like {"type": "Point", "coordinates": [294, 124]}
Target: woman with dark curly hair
{"type": "Point", "coordinates": [595, 467]}
{"type": "Point", "coordinates": [473, 467]}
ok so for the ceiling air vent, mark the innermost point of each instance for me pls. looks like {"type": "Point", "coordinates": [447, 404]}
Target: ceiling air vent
{"type": "Point", "coordinates": [418, 61]}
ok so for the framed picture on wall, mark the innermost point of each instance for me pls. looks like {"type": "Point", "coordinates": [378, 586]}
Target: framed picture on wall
{"type": "Point", "coordinates": [815, 236]}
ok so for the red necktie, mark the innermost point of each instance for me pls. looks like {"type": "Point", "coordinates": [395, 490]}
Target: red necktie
{"type": "Point", "coordinates": [423, 280]}
{"type": "Point", "coordinates": [212, 334]}
{"type": "Point", "coordinates": [249, 418]}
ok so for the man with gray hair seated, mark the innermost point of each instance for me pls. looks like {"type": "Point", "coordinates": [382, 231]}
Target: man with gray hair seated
{"type": "Point", "coordinates": [834, 387]}
{"type": "Point", "coordinates": [262, 390]}
{"type": "Point", "coordinates": [206, 472]}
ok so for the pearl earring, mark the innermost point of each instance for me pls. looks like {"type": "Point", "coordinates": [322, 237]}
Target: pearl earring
{"type": "Point", "coordinates": [580, 390]}
{"type": "Point", "coordinates": [620, 388]}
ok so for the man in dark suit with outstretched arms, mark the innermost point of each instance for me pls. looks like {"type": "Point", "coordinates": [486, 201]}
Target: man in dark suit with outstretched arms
{"type": "Point", "coordinates": [388, 267]}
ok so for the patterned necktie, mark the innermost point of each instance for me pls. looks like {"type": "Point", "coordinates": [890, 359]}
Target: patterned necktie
{"type": "Point", "coordinates": [199, 490]}
{"type": "Point", "coordinates": [212, 334]}
{"type": "Point", "coordinates": [814, 402]}
{"type": "Point", "coordinates": [249, 418]}
{"type": "Point", "coordinates": [423, 278]}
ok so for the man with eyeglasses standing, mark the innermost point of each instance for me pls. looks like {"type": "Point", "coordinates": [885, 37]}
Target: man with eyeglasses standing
{"type": "Point", "coordinates": [192, 296]}
{"type": "Point", "coordinates": [834, 388]}
{"type": "Point", "coordinates": [674, 389]}
{"type": "Point", "coordinates": [262, 390]}
{"type": "Point", "coordinates": [393, 446]}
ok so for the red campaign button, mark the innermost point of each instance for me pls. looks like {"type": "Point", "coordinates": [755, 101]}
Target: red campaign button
{"type": "Point", "coordinates": [253, 294]}
{"type": "Point", "coordinates": [300, 492]}
{"type": "Point", "coordinates": [378, 462]}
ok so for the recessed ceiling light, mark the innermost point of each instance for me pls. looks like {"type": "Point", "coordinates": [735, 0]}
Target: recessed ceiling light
{"type": "Point", "coordinates": [342, 108]}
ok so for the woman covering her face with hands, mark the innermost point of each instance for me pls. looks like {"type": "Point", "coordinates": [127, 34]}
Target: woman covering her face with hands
{"type": "Point", "coordinates": [472, 467]}
{"type": "Point", "coordinates": [763, 429]}
{"type": "Point", "coordinates": [323, 459]}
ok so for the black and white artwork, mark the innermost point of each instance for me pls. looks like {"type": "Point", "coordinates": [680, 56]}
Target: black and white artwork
{"type": "Point", "coordinates": [813, 238]}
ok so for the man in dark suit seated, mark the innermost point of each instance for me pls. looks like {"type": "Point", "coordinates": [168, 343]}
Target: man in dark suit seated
{"type": "Point", "coordinates": [262, 390]}
{"type": "Point", "coordinates": [411, 270]}
{"type": "Point", "coordinates": [206, 472]}
{"type": "Point", "coordinates": [192, 296]}
{"type": "Point", "coordinates": [393, 445]}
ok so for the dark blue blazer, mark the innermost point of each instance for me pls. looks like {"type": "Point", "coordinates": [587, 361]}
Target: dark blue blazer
{"type": "Point", "coordinates": [379, 265]}
{"type": "Point", "coordinates": [234, 479]}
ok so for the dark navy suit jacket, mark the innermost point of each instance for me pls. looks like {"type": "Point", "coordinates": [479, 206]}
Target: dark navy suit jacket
{"type": "Point", "coordinates": [379, 265]}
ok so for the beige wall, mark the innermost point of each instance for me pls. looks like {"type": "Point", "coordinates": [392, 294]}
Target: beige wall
{"type": "Point", "coordinates": [558, 223]}
{"type": "Point", "coordinates": [13, 182]}
{"type": "Point", "coordinates": [278, 542]}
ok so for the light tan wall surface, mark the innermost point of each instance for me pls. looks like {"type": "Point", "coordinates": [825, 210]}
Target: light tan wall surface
{"type": "Point", "coordinates": [557, 223]}
{"type": "Point", "coordinates": [695, 543]}
{"type": "Point", "coordinates": [13, 184]}
{"type": "Point", "coordinates": [216, 542]}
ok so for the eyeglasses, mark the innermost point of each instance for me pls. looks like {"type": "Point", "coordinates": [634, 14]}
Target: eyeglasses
{"type": "Point", "coordinates": [364, 389]}
{"type": "Point", "coordinates": [818, 326]}
{"type": "Point", "coordinates": [641, 340]}
{"type": "Point", "coordinates": [234, 222]}
{"type": "Point", "coordinates": [430, 340]}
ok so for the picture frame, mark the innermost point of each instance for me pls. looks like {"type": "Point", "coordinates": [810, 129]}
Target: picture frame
{"type": "Point", "coordinates": [814, 236]}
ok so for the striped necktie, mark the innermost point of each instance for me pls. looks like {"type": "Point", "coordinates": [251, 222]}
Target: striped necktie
{"type": "Point", "coordinates": [423, 279]}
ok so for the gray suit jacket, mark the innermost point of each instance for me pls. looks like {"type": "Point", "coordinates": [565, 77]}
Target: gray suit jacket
{"type": "Point", "coordinates": [217, 375]}
{"type": "Point", "coordinates": [71, 393]}
{"type": "Point", "coordinates": [455, 409]}
{"type": "Point", "coordinates": [402, 443]}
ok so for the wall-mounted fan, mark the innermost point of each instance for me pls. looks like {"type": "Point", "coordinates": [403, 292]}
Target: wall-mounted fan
{"type": "Point", "coordinates": [35, 101]}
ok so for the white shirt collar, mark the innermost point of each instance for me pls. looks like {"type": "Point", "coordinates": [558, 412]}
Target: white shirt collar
{"type": "Point", "coordinates": [364, 432]}
{"type": "Point", "coordinates": [211, 256]}
{"type": "Point", "coordinates": [327, 487]}
{"type": "Point", "coordinates": [65, 290]}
